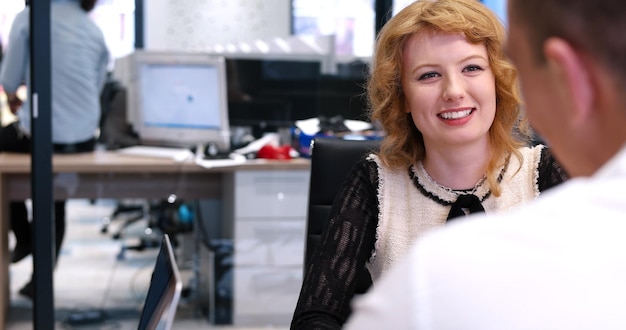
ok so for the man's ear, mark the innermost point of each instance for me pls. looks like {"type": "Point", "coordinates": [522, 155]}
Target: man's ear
{"type": "Point", "coordinates": [572, 74]}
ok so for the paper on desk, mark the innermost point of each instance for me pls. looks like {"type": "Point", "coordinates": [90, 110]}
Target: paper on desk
{"type": "Point", "coordinates": [357, 125]}
{"type": "Point", "coordinates": [211, 163]}
{"type": "Point", "coordinates": [312, 126]}
{"type": "Point", "coordinates": [309, 126]}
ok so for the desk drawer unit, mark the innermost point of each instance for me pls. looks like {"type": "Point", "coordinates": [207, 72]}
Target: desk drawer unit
{"type": "Point", "coordinates": [269, 213]}
{"type": "Point", "coordinates": [271, 194]}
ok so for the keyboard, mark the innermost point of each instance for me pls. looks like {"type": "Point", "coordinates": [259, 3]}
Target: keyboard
{"type": "Point", "coordinates": [158, 152]}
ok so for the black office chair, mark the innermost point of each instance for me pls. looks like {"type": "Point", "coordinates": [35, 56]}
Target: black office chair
{"type": "Point", "coordinates": [331, 160]}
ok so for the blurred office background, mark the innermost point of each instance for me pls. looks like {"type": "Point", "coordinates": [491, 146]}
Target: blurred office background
{"type": "Point", "coordinates": [330, 42]}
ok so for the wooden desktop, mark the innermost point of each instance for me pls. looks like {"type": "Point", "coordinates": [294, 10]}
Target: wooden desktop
{"type": "Point", "coordinates": [103, 174]}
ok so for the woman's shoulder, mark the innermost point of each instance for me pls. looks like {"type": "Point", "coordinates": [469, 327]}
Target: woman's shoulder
{"type": "Point", "coordinates": [536, 149]}
{"type": "Point", "coordinates": [536, 154]}
{"type": "Point", "coordinates": [541, 152]}
{"type": "Point", "coordinates": [549, 170]}
{"type": "Point", "coordinates": [366, 167]}
{"type": "Point", "coordinates": [369, 162]}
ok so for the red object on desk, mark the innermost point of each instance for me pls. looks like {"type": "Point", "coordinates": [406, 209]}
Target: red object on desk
{"type": "Point", "coordinates": [269, 151]}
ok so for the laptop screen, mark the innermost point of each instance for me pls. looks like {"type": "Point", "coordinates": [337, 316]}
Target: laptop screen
{"type": "Point", "coordinates": [164, 291]}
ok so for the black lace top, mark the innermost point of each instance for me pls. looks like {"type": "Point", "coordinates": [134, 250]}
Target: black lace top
{"type": "Point", "coordinates": [348, 241]}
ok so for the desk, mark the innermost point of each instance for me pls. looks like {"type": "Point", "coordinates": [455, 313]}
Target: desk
{"type": "Point", "coordinates": [111, 175]}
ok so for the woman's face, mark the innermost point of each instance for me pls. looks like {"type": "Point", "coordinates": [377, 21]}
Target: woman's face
{"type": "Point", "coordinates": [449, 89]}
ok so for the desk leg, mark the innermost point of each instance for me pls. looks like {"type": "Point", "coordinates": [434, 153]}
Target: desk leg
{"type": "Point", "coordinates": [4, 253]}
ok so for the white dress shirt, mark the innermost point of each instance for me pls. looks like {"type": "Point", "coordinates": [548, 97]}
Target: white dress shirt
{"type": "Point", "coordinates": [556, 263]}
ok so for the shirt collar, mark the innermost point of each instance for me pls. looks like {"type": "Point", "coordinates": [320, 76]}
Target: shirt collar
{"type": "Point", "coordinates": [615, 166]}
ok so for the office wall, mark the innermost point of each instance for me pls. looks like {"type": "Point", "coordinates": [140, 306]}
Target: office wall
{"type": "Point", "coordinates": [197, 24]}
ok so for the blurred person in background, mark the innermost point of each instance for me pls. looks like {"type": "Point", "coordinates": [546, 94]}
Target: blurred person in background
{"type": "Point", "coordinates": [78, 72]}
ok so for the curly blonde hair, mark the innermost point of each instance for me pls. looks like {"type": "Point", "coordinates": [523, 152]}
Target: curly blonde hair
{"type": "Point", "coordinates": [403, 143]}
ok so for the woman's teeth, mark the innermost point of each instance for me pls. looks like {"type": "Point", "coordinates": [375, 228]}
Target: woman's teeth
{"type": "Point", "coordinates": [455, 114]}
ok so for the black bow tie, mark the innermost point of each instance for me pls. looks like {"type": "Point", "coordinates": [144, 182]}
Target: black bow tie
{"type": "Point", "coordinates": [467, 201]}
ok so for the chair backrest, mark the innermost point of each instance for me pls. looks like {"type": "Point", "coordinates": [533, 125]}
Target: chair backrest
{"type": "Point", "coordinates": [331, 160]}
{"type": "Point", "coordinates": [115, 131]}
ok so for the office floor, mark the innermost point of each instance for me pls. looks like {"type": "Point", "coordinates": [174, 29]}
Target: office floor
{"type": "Point", "coordinates": [90, 276]}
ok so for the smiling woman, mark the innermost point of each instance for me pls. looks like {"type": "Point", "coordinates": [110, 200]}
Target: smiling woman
{"type": "Point", "coordinates": [449, 84]}
{"type": "Point", "coordinates": [446, 96]}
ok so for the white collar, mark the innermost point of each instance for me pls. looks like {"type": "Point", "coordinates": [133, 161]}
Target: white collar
{"type": "Point", "coordinates": [614, 166]}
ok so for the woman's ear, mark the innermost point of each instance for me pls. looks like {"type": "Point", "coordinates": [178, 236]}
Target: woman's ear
{"type": "Point", "coordinates": [573, 78]}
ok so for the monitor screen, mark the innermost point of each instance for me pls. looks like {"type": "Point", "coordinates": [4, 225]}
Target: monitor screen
{"type": "Point", "coordinates": [180, 96]}
{"type": "Point", "coordinates": [178, 99]}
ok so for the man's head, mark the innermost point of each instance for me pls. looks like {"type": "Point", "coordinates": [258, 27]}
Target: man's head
{"type": "Point", "coordinates": [88, 5]}
{"type": "Point", "coordinates": [571, 56]}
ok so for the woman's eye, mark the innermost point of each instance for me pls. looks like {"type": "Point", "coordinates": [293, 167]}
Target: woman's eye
{"type": "Point", "coordinates": [428, 75]}
{"type": "Point", "coordinates": [471, 68]}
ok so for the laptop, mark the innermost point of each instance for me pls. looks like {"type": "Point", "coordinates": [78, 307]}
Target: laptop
{"type": "Point", "coordinates": [161, 302]}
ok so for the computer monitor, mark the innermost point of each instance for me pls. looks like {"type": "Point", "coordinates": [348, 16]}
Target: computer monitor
{"type": "Point", "coordinates": [267, 94]}
{"type": "Point", "coordinates": [175, 98]}
{"type": "Point", "coordinates": [164, 292]}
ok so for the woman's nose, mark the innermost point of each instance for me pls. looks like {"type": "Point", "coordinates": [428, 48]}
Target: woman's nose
{"type": "Point", "coordinates": [454, 88]}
